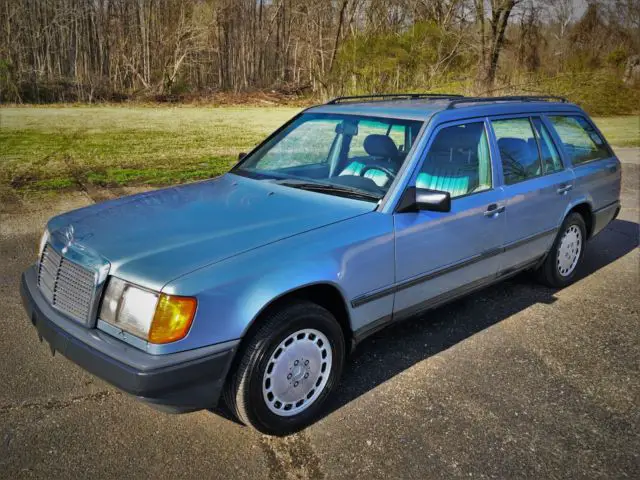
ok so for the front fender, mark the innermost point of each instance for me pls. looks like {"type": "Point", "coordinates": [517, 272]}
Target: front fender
{"type": "Point", "coordinates": [355, 256]}
{"type": "Point", "coordinates": [271, 288]}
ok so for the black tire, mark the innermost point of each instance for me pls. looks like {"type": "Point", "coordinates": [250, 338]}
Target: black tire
{"type": "Point", "coordinates": [244, 393]}
{"type": "Point", "coordinates": [549, 273]}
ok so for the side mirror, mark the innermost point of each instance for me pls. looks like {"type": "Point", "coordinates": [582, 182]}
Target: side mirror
{"type": "Point", "coordinates": [416, 199]}
{"type": "Point", "coordinates": [241, 155]}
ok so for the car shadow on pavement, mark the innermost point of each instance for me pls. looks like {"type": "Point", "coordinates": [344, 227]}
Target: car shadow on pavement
{"type": "Point", "coordinates": [399, 347]}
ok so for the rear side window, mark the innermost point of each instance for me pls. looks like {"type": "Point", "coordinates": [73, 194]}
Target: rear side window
{"type": "Point", "coordinates": [458, 161]}
{"type": "Point", "coordinates": [518, 149]}
{"type": "Point", "coordinates": [581, 141]}
{"type": "Point", "coordinates": [550, 157]}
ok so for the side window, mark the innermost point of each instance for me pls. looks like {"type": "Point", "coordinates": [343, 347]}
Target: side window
{"type": "Point", "coordinates": [309, 143]}
{"type": "Point", "coordinates": [550, 157]}
{"type": "Point", "coordinates": [581, 141]}
{"type": "Point", "coordinates": [518, 149]}
{"type": "Point", "coordinates": [458, 161]}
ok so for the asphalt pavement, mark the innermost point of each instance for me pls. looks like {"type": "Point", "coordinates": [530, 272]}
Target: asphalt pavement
{"type": "Point", "coordinates": [516, 381]}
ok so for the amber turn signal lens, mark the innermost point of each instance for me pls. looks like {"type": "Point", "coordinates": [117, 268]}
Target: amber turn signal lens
{"type": "Point", "coordinates": [172, 319]}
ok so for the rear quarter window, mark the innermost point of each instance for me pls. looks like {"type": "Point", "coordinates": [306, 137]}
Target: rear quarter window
{"type": "Point", "coordinates": [580, 140]}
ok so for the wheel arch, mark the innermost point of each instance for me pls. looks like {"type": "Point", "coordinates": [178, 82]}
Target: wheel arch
{"type": "Point", "coordinates": [585, 210]}
{"type": "Point", "coordinates": [325, 294]}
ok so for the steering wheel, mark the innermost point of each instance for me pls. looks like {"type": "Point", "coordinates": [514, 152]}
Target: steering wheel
{"type": "Point", "coordinates": [390, 175]}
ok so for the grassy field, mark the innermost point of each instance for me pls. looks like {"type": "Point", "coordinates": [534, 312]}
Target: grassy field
{"type": "Point", "coordinates": [50, 148]}
{"type": "Point", "coordinates": [620, 131]}
{"type": "Point", "coordinates": [60, 147]}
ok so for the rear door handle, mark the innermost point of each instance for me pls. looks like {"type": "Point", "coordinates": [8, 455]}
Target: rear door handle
{"type": "Point", "coordinates": [494, 210]}
{"type": "Point", "coordinates": [564, 189]}
{"type": "Point", "coordinates": [613, 166]}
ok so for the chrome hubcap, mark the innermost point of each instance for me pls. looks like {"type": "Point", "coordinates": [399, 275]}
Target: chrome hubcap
{"type": "Point", "coordinates": [297, 372]}
{"type": "Point", "coordinates": [569, 250]}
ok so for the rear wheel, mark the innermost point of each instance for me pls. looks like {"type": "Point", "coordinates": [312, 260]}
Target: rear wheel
{"type": "Point", "coordinates": [560, 266]}
{"type": "Point", "coordinates": [288, 368]}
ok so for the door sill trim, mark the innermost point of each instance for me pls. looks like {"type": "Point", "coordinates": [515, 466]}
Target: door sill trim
{"type": "Point", "coordinates": [440, 300]}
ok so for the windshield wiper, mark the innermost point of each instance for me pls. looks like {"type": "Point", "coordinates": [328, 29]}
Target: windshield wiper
{"type": "Point", "coordinates": [329, 188]}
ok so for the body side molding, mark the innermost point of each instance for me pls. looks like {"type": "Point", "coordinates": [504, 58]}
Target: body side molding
{"type": "Point", "coordinates": [411, 282]}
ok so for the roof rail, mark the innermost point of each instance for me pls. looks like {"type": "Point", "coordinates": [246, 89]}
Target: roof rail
{"type": "Point", "coordinates": [514, 98]}
{"type": "Point", "coordinates": [385, 96]}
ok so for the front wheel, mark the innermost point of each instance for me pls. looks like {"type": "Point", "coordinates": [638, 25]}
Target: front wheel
{"type": "Point", "coordinates": [288, 368]}
{"type": "Point", "coordinates": [560, 266]}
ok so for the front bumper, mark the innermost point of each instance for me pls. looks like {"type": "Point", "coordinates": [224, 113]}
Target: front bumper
{"type": "Point", "coordinates": [177, 382]}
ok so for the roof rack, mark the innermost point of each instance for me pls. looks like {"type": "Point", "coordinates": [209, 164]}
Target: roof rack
{"type": "Point", "coordinates": [386, 96]}
{"type": "Point", "coordinates": [515, 98]}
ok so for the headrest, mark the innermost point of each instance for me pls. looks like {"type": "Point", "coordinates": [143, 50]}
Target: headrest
{"type": "Point", "coordinates": [519, 150]}
{"type": "Point", "coordinates": [514, 146]}
{"type": "Point", "coordinates": [380, 146]}
{"type": "Point", "coordinates": [460, 137]}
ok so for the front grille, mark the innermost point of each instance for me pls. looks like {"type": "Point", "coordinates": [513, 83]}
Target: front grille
{"type": "Point", "coordinates": [66, 285]}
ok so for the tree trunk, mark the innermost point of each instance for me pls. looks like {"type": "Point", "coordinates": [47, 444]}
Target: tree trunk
{"type": "Point", "coordinates": [500, 12]}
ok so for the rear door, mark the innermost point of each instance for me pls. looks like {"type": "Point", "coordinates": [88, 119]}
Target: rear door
{"type": "Point", "coordinates": [440, 255]}
{"type": "Point", "coordinates": [596, 168]}
{"type": "Point", "coordinates": [537, 188]}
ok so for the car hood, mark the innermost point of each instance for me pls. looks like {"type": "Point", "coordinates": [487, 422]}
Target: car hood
{"type": "Point", "coordinates": [155, 237]}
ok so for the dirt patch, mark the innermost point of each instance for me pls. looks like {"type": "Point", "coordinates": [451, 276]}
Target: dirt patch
{"type": "Point", "coordinates": [9, 200]}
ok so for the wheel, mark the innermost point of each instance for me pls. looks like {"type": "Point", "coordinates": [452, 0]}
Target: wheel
{"type": "Point", "coordinates": [561, 264]}
{"type": "Point", "coordinates": [288, 368]}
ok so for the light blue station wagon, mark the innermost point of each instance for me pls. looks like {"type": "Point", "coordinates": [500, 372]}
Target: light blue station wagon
{"type": "Point", "coordinates": [254, 286]}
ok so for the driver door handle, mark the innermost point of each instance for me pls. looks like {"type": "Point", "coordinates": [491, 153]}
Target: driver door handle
{"type": "Point", "coordinates": [494, 210]}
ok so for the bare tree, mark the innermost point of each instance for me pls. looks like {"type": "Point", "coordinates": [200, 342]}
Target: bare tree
{"type": "Point", "coordinates": [492, 38]}
{"type": "Point", "coordinates": [53, 50]}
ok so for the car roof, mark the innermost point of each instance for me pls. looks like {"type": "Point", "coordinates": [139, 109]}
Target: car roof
{"type": "Point", "coordinates": [450, 109]}
{"type": "Point", "coordinates": [408, 109]}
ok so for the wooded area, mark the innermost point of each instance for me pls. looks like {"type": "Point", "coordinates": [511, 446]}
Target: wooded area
{"type": "Point", "coordinates": [111, 50]}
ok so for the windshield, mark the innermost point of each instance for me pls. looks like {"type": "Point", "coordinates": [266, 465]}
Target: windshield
{"type": "Point", "coordinates": [346, 155]}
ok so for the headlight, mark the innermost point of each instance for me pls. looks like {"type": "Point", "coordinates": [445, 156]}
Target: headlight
{"type": "Point", "coordinates": [153, 316]}
{"type": "Point", "coordinates": [43, 241]}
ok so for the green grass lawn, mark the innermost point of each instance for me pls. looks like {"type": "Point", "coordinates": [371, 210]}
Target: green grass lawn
{"type": "Point", "coordinates": [55, 147]}
{"type": "Point", "coordinates": [620, 131]}
{"type": "Point", "coordinates": [51, 147]}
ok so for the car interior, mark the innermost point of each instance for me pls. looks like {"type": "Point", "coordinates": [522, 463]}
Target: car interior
{"type": "Point", "coordinates": [520, 159]}
{"type": "Point", "coordinates": [382, 163]}
{"type": "Point", "coordinates": [345, 164]}
{"type": "Point", "coordinates": [458, 161]}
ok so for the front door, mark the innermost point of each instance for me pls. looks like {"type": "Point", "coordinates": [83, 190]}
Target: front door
{"type": "Point", "coordinates": [537, 189]}
{"type": "Point", "coordinates": [441, 255]}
